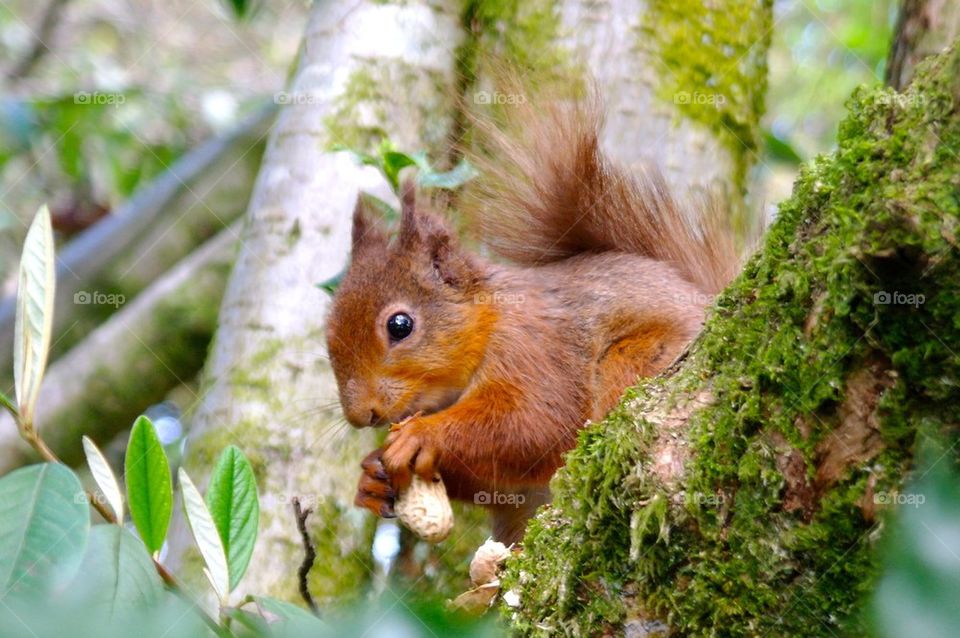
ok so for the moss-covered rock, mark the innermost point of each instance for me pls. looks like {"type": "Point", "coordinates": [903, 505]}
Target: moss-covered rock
{"type": "Point", "coordinates": [742, 494]}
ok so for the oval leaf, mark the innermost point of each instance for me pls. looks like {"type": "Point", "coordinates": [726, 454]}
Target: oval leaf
{"type": "Point", "coordinates": [287, 619]}
{"type": "Point", "coordinates": [206, 536]}
{"type": "Point", "coordinates": [149, 487]}
{"type": "Point", "coordinates": [44, 523]}
{"type": "Point", "coordinates": [103, 475]}
{"type": "Point", "coordinates": [235, 508]}
{"type": "Point", "coordinates": [34, 323]}
{"type": "Point", "coordinates": [117, 572]}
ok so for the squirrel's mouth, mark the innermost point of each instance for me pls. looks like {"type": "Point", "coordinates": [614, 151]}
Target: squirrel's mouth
{"type": "Point", "coordinates": [420, 405]}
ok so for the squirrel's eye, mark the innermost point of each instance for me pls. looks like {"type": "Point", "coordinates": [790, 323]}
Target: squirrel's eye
{"type": "Point", "coordinates": [399, 326]}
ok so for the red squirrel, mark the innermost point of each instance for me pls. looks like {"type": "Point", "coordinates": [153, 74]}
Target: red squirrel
{"type": "Point", "coordinates": [486, 369]}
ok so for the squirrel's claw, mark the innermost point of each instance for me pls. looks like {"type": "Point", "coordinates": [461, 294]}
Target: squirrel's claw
{"type": "Point", "coordinates": [375, 491]}
{"type": "Point", "coordinates": [407, 451]}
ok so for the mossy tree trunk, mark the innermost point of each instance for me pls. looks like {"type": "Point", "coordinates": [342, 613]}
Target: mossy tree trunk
{"type": "Point", "coordinates": [924, 28]}
{"type": "Point", "coordinates": [683, 83]}
{"type": "Point", "coordinates": [367, 70]}
{"type": "Point", "coordinates": [743, 493]}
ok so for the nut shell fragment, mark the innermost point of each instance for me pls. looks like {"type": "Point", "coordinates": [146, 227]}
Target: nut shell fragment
{"type": "Point", "coordinates": [487, 561]}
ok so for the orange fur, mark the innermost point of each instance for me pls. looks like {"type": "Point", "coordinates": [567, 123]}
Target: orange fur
{"type": "Point", "coordinates": [506, 363]}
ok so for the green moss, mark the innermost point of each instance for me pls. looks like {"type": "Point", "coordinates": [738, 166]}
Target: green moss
{"type": "Point", "coordinates": [879, 215]}
{"type": "Point", "coordinates": [712, 61]}
{"type": "Point", "coordinates": [523, 34]}
{"type": "Point", "coordinates": [377, 95]}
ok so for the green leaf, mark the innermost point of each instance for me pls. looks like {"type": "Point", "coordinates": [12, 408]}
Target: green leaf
{"type": "Point", "coordinates": [781, 149]}
{"type": "Point", "coordinates": [117, 572]}
{"type": "Point", "coordinates": [206, 536]}
{"type": "Point", "coordinates": [291, 620]}
{"type": "Point", "coordinates": [44, 523]}
{"type": "Point", "coordinates": [241, 9]}
{"type": "Point", "coordinates": [449, 180]}
{"type": "Point", "coordinates": [393, 163]}
{"type": "Point", "coordinates": [331, 285]}
{"type": "Point", "coordinates": [254, 623]}
{"type": "Point", "coordinates": [34, 323]}
{"type": "Point", "coordinates": [104, 476]}
{"type": "Point", "coordinates": [382, 208]}
{"type": "Point", "coordinates": [235, 508]}
{"type": "Point", "coordinates": [149, 487]}
{"type": "Point", "coordinates": [920, 550]}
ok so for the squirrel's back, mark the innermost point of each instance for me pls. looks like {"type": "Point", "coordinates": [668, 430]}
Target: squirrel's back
{"type": "Point", "coordinates": [547, 192]}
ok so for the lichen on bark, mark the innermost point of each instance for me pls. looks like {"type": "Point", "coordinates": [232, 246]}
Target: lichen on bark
{"type": "Point", "coordinates": [743, 493]}
{"type": "Point", "coordinates": [712, 62]}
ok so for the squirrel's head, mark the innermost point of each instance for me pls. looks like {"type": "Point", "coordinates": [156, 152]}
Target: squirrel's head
{"type": "Point", "coordinates": [406, 332]}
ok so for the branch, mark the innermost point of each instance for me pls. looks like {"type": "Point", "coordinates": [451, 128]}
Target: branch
{"type": "Point", "coordinates": [150, 346]}
{"type": "Point", "coordinates": [51, 17]}
{"type": "Point", "coordinates": [100, 246]}
{"type": "Point", "coordinates": [309, 554]}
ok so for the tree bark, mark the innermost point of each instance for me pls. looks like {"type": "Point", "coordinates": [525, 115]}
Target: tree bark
{"type": "Point", "coordinates": [367, 69]}
{"type": "Point", "coordinates": [742, 494]}
{"type": "Point", "coordinates": [683, 83]}
{"type": "Point", "coordinates": [924, 28]}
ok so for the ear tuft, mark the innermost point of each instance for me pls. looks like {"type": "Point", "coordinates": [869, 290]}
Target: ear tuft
{"type": "Point", "coordinates": [409, 230]}
{"type": "Point", "coordinates": [452, 265]}
{"type": "Point", "coordinates": [366, 229]}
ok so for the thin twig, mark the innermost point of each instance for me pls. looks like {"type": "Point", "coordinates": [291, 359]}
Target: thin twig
{"type": "Point", "coordinates": [309, 554]}
{"type": "Point", "coordinates": [40, 47]}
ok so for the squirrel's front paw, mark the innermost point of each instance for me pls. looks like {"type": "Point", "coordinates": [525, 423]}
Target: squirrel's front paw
{"type": "Point", "coordinates": [375, 492]}
{"type": "Point", "coordinates": [409, 449]}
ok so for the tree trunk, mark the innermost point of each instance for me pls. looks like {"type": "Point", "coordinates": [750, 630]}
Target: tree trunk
{"type": "Point", "coordinates": [367, 69]}
{"type": "Point", "coordinates": [743, 493]}
{"type": "Point", "coordinates": [684, 84]}
{"type": "Point", "coordinates": [924, 28]}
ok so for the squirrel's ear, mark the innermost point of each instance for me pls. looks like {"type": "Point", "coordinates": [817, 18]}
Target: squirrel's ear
{"type": "Point", "coordinates": [409, 232]}
{"type": "Point", "coordinates": [366, 230]}
{"type": "Point", "coordinates": [452, 265]}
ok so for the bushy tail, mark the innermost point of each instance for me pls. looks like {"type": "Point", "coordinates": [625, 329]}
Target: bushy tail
{"type": "Point", "coordinates": [546, 192]}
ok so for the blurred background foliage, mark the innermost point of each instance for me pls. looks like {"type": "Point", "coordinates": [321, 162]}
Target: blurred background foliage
{"type": "Point", "coordinates": [821, 51]}
{"type": "Point", "coordinates": [124, 89]}
{"type": "Point", "coordinates": [127, 87]}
